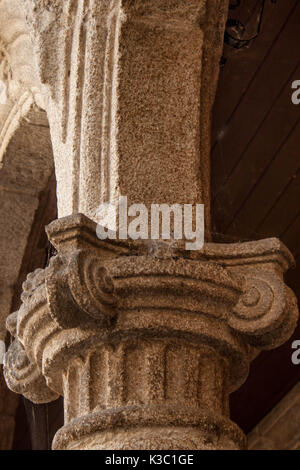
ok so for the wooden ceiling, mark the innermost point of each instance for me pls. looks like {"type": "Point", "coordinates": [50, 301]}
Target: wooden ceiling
{"type": "Point", "coordinates": [255, 170]}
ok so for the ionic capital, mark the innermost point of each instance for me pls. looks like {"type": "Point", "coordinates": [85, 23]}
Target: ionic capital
{"type": "Point", "coordinates": [157, 339]}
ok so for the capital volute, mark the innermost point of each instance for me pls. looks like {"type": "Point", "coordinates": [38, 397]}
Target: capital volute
{"type": "Point", "coordinates": [242, 283]}
{"type": "Point", "coordinates": [22, 375]}
{"type": "Point", "coordinates": [100, 305]}
{"type": "Point", "coordinates": [97, 291]}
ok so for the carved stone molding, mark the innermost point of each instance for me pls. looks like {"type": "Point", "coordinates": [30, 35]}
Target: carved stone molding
{"type": "Point", "coordinates": [280, 429]}
{"type": "Point", "coordinates": [18, 68]}
{"type": "Point", "coordinates": [24, 377]}
{"type": "Point", "coordinates": [144, 341]}
{"type": "Point", "coordinates": [146, 346]}
{"type": "Point", "coordinates": [26, 165]}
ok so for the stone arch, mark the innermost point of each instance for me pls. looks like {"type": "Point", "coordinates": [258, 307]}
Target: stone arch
{"type": "Point", "coordinates": [26, 157]}
{"type": "Point", "coordinates": [26, 178]}
{"type": "Point", "coordinates": [26, 175]}
{"type": "Point", "coordinates": [18, 70]}
{"type": "Point", "coordinates": [25, 172]}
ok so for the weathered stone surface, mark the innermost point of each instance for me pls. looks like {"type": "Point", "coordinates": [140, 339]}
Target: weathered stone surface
{"type": "Point", "coordinates": [157, 339]}
{"type": "Point", "coordinates": [26, 163]}
{"type": "Point", "coordinates": [280, 429]}
{"type": "Point", "coordinates": [18, 69]}
{"type": "Point", "coordinates": [25, 168]}
{"type": "Point", "coordinates": [131, 88]}
{"type": "Point", "coordinates": [23, 376]}
{"type": "Point", "coordinates": [144, 341]}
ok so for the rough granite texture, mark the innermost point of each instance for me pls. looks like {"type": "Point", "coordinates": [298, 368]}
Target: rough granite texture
{"type": "Point", "coordinates": [145, 341]}
{"type": "Point", "coordinates": [26, 162]}
{"type": "Point", "coordinates": [131, 86]}
{"type": "Point", "coordinates": [279, 430]}
{"type": "Point", "coordinates": [146, 346]}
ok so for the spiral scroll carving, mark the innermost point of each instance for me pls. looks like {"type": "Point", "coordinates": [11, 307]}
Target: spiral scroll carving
{"type": "Point", "coordinates": [266, 312]}
{"type": "Point", "coordinates": [80, 287]}
{"type": "Point", "coordinates": [91, 285]}
{"type": "Point", "coordinates": [24, 377]}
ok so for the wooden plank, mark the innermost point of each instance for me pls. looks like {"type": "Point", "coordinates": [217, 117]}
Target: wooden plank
{"type": "Point", "coordinates": [267, 169]}
{"type": "Point", "coordinates": [259, 99]}
{"type": "Point", "coordinates": [240, 69]}
{"type": "Point", "coordinates": [283, 214]}
{"type": "Point", "coordinates": [272, 376]}
{"type": "Point", "coordinates": [292, 235]}
{"type": "Point", "coordinates": [292, 278]}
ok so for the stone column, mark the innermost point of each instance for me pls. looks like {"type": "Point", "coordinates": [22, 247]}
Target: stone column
{"type": "Point", "coordinates": [144, 341]}
{"type": "Point", "coordinates": [131, 86]}
{"type": "Point", "coordinates": [146, 347]}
